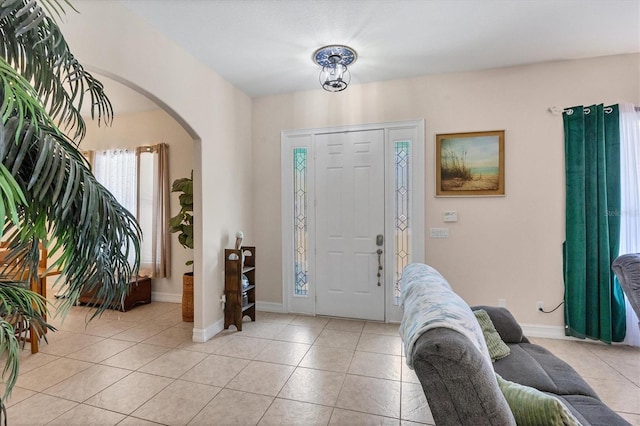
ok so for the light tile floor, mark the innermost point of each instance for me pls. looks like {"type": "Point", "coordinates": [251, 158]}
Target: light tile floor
{"type": "Point", "coordinates": [141, 368]}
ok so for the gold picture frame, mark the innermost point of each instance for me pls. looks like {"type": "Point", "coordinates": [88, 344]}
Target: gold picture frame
{"type": "Point", "coordinates": [470, 164]}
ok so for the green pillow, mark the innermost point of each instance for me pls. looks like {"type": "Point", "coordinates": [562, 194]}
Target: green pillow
{"type": "Point", "coordinates": [497, 348]}
{"type": "Point", "coordinates": [530, 407]}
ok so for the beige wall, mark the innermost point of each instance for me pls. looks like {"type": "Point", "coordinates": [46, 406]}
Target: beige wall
{"type": "Point", "coordinates": [106, 36]}
{"type": "Point", "coordinates": [150, 128]}
{"type": "Point", "coordinates": [500, 248]}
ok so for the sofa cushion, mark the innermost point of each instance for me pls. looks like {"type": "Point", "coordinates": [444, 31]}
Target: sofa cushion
{"type": "Point", "coordinates": [534, 366]}
{"type": "Point", "coordinates": [504, 323]}
{"type": "Point", "coordinates": [530, 407]}
{"type": "Point", "coordinates": [459, 383]}
{"type": "Point", "coordinates": [497, 348]}
{"type": "Point", "coordinates": [592, 411]}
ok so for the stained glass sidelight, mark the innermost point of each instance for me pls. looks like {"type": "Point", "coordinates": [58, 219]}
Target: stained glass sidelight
{"type": "Point", "coordinates": [300, 216]}
{"type": "Point", "coordinates": [402, 222]}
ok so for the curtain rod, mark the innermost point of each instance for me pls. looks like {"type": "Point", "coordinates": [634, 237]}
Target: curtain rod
{"type": "Point", "coordinates": [149, 148]}
{"type": "Point", "coordinates": [555, 110]}
{"type": "Point", "coordinates": [558, 111]}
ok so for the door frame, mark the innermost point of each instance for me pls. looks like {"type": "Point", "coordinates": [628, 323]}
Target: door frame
{"type": "Point", "coordinates": [413, 131]}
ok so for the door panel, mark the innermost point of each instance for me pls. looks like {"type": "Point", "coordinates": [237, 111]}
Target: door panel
{"type": "Point", "coordinates": [349, 215]}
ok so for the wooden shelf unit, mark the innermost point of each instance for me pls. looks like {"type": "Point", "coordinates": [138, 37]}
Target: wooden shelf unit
{"type": "Point", "coordinates": [234, 269]}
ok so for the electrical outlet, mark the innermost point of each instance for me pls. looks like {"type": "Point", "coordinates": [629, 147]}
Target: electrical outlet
{"type": "Point", "coordinates": [502, 303]}
{"type": "Point", "coordinates": [540, 306]}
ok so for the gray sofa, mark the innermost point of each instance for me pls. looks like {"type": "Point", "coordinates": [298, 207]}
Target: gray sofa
{"type": "Point", "coordinates": [627, 269]}
{"type": "Point", "coordinates": [461, 390]}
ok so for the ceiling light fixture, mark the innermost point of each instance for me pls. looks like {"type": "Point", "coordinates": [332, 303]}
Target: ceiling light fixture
{"type": "Point", "coordinates": [334, 59]}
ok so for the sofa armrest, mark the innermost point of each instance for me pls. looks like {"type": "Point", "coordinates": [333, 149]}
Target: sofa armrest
{"type": "Point", "coordinates": [505, 324]}
{"type": "Point", "coordinates": [458, 381]}
{"type": "Point", "coordinates": [627, 269]}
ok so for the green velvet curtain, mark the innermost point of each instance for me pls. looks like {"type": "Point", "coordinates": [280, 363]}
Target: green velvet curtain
{"type": "Point", "coordinates": [594, 302]}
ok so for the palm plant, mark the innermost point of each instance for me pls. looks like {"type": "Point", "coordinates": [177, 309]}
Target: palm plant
{"type": "Point", "coordinates": [47, 192]}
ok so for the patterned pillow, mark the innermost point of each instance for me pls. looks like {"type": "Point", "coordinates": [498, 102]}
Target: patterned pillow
{"type": "Point", "coordinates": [497, 348]}
{"type": "Point", "coordinates": [530, 407]}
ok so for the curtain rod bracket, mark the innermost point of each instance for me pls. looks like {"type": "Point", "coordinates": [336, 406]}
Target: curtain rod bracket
{"type": "Point", "coordinates": [555, 110]}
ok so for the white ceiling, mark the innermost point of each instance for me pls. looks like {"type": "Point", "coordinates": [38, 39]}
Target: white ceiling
{"type": "Point", "coordinates": [264, 47]}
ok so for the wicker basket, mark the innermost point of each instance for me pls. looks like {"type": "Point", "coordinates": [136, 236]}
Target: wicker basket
{"type": "Point", "coordinates": [187, 297]}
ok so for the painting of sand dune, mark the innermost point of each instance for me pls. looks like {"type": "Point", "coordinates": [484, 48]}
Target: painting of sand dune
{"type": "Point", "coordinates": [470, 164]}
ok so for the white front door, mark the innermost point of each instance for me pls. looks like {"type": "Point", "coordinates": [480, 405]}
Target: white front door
{"type": "Point", "coordinates": [349, 169]}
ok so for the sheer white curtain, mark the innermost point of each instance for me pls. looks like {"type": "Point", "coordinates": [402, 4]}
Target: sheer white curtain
{"type": "Point", "coordinates": [116, 170]}
{"type": "Point", "coordinates": [139, 179]}
{"type": "Point", "coordinates": [630, 199]}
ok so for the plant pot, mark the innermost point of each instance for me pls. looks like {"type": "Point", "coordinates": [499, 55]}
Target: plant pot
{"type": "Point", "coordinates": [187, 297]}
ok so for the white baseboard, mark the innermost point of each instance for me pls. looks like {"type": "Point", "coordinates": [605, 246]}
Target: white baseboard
{"type": "Point", "coordinates": [202, 335]}
{"type": "Point", "coordinates": [166, 297]}
{"type": "Point", "coordinates": [556, 332]}
{"type": "Point", "coordinates": [544, 331]}
{"type": "Point", "coordinates": [269, 307]}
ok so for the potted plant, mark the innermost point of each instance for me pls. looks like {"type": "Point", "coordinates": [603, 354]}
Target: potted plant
{"type": "Point", "coordinates": [182, 223]}
{"type": "Point", "coordinates": [48, 190]}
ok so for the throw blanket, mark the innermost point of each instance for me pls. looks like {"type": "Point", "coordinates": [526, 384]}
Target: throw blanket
{"type": "Point", "coordinates": [429, 302]}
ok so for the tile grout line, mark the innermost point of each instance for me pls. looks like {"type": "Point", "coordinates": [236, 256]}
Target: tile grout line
{"type": "Point", "coordinates": [623, 374]}
{"type": "Point", "coordinates": [402, 386]}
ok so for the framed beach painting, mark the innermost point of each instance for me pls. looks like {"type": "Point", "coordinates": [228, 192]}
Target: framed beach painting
{"type": "Point", "coordinates": [470, 164]}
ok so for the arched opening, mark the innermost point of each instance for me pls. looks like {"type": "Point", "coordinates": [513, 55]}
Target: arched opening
{"type": "Point", "coordinates": [141, 118]}
{"type": "Point", "coordinates": [142, 92]}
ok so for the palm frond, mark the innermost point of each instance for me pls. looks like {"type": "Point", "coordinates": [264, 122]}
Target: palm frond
{"type": "Point", "coordinates": [93, 233]}
{"type": "Point", "coordinates": [19, 99]}
{"type": "Point", "coordinates": [20, 309]}
{"type": "Point", "coordinates": [32, 43]}
{"type": "Point", "coordinates": [63, 198]}
{"type": "Point", "coordinates": [10, 197]}
{"type": "Point", "coordinates": [10, 346]}
{"type": "Point", "coordinates": [46, 186]}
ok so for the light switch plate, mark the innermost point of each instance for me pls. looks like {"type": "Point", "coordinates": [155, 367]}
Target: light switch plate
{"type": "Point", "coordinates": [450, 216]}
